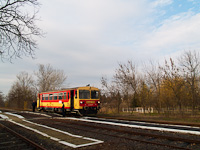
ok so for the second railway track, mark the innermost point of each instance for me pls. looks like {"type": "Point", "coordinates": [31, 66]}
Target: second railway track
{"type": "Point", "coordinates": [11, 140]}
{"type": "Point", "coordinates": [116, 136]}
{"type": "Point", "coordinates": [164, 141]}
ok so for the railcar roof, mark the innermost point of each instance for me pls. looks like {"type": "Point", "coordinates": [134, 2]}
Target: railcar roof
{"type": "Point", "coordinates": [64, 89]}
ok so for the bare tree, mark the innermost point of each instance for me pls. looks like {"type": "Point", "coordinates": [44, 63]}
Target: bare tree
{"type": "Point", "coordinates": [18, 28]}
{"type": "Point", "coordinates": [127, 74]}
{"type": "Point", "coordinates": [22, 91]}
{"type": "Point", "coordinates": [112, 94]}
{"type": "Point", "coordinates": [190, 66]}
{"type": "Point", "coordinates": [128, 87]}
{"type": "Point", "coordinates": [127, 77]}
{"type": "Point", "coordinates": [174, 82]}
{"type": "Point", "coordinates": [49, 78]}
{"type": "Point", "coordinates": [2, 103]}
{"type": "Point", "coordinates": [154, 80]}
{"type": "Point", "coordinates": [145, 94]}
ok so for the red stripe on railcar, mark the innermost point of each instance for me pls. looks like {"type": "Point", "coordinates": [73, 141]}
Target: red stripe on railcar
{"type": "Point", "coordinates": [54, 107]}
{"type": "Point", "coordinates": [54, 100]}
{"type": "Point", "coordinates": [89, 103]}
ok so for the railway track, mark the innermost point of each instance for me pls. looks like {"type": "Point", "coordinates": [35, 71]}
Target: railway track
{"type": "Point", "coordinates": [184, 128]}
{"type": "Point", "coordinates": [11, 140]}
{"type": "Point", "coordinates": [148, 138]}
{"type": "Point", "coordinates": [154, 121]}
{"type": "Point", "coordinates": [162, 140]}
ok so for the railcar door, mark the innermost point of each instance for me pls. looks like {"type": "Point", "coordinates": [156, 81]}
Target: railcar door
{"type": "Point", "coordinates": [38, 100]}
{"type": "Point", "coordinates": [72, 100]}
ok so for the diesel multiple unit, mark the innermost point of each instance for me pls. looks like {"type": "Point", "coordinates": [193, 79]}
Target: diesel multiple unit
{"type": "Point", "coordinates": [80, 100]}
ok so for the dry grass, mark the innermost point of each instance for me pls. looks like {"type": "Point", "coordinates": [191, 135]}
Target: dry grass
{"type": "Point", "coordinates": [182, 118]}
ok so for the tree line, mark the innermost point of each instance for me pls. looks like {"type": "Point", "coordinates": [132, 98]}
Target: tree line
{"type": "Point", "coordinates": [24, 90]}
{"type": "Point", "coordinates": [170, 88]}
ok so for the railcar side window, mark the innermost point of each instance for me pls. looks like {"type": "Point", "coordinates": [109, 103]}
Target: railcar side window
{"type": "Point", "coordinates": [60, 95]}
{"type": "Point", "coordinates": [46, 96]}
{"type": "Point", "coordinates": [65, 95]}
{"type": "Point", "coordinates": [55, 96]}
{"type": "Point", "coordinates": [68, 95]}
{"type": "Point", "coordinates": [94, 94]}
{"type": "Point", "coordinates": [84, 94]}
{"type": "Point", "coordinates": [50, 96]}
{"type": "Point", "coordinates": [42, 97]}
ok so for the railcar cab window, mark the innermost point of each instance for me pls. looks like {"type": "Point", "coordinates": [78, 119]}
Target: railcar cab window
{"type": "Point", "coordinates": [94, 94]}
{"type": "Point", "coordinates": [75, 94]}
{"type": "Point", "coordinates": [84, 94]}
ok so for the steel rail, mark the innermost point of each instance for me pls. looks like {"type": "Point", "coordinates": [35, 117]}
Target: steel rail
{"type": "Point", "coordinates": [33, 144]}
{"type": "Point", "coordinates": [154, 121]}
{"type": "Point", "coordinates": [133, 133]}
{"type": "Point", "coordinates": [153, 135]}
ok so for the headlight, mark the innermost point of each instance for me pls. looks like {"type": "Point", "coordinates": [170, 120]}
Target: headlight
{"type": "Point", "coordinates": [82, 102]}
{"type": "Point", "coordinates": [98, 102]}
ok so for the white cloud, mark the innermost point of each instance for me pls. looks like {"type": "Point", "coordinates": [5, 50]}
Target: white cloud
{"type": "Point", "coordinates": [90, 13]}
{"type": "Point", "coordinates": [89, 27]}
{"type": "Point", "coordinates": [87, 38]}
{"type": "Point", "coordinates": [161, 3]}
{"type": "Point", "coordinates": [176, 33]}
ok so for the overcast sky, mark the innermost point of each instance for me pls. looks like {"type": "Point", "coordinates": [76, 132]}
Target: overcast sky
{"type": "Point", "coordinates": [88, 38]}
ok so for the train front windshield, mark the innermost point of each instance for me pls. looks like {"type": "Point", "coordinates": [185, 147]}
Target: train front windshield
{"type": "Point", "coordinates": [94, 94]}
{"type": "Point", "coordinates": [85, 94]}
